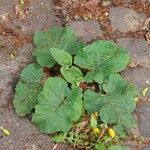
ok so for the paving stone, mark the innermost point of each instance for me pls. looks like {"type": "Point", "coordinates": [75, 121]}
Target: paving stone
{"type": "Point", "coordinates": [146, 148]}
{"type": "Point", "coordinates": [86, 31]}
{"type": "Point", "coordinates": [139, 50]}
{"type": "Point", "coordinates": [40, 14]}
{"type": "Point", "coordinates": [140, 77]}
{"type": "Point", "coordinates": [144, 120]}
{"type": "Point", "coordinates": [23, 134]}
{"type": "Point", "coordinates": [125, 19]}
{"type": "Point", "coordinates": [10, 69]}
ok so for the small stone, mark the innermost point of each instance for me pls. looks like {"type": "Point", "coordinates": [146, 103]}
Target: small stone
{"type": "Point", "coordinates": [86, 31]}
{"type": "Point", "coordinates": [146, 148]}
{"type": "Point", "coordinates": [138, 49]}
{"type": "Point", "coordinates": [125, 19]}
{"type": "Point", "coordinates": [144, 120]}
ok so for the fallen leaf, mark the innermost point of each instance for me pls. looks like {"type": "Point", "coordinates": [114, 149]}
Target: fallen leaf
{"type": "Point", "coordinates": [22, 2]}
{"type": "Point", "coordinates": [12, 56]}
{"type": "Point", "coordinates": [5, 131]}
{"type": "Point", "coordinates": [91, 5]}
{"type": "Point", "coordinates": [145, 91]}
{"type": "Point", "coordinates": [20, 12]}
{"type": "Point", "coordinates": [55, 146]}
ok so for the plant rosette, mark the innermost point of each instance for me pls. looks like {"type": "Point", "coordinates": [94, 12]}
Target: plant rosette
{"type": "Point", "coordinates": [87, 102]}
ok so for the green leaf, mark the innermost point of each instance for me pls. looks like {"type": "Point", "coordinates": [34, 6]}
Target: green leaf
{"type": "Point", "coordinates": [73, 75]}
{"type": "Point", "coordinates": [56, 37]}
{"type": "Point", "coordinates": [59, 138]}
{"type": "Point", "coordinates": [105, 56]}
{"type": "Point", "coordinates": [100, 146]}
{"type": "Point", "coordinates": [117, 147]}
{"type": "Point", "coordinates": [25, 97]}
{"type": "Point", "coordinates": [27, 89]}
{"type": "Point", "coordinates": [32, 74]}
{"type": "Point", "coordinates": [44, 57]}
{"type": "Point", "coordinates": [58, 107]}
{"type": "Point", "coordinates": [61, 57]}
{"type": "Point", "coordinates": [93, 101]}
{"type": "Point", "coordinates": [94, 76]}
{"type": "Point", "coordinates": [119, 96]}
{"type": "Point", "coordinates": [120, 130]}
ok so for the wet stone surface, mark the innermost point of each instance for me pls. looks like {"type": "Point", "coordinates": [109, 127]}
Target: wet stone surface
{"type": "Point", "coordinates": [87, 31]}
{"type": "Point", "coordinates": [124, 19]}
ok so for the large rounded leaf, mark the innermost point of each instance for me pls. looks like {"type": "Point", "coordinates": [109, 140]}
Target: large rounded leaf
{"type": "Point", "coordinates": [44, 57]}
{"type": "Point", "coordinates": [33, 73]}
{"type": "Point", "coordinates": [117, 105]}
{"type": "Point", "coordinates": [57, 106]}
{"type": "Point", "coordinates": [27, 89]}
{"type": "Point", "coordinates": [56, 37]}
{"type": "Point", "coordinates": [25, 97]}
{"type": "Point", "coordinates": [105, 56]}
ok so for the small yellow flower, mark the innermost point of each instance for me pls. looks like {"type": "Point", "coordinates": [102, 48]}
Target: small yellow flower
{"type": "Point", "coordinates": [112, 133]}
{"type": "Point", "coordinates": [96, 130]}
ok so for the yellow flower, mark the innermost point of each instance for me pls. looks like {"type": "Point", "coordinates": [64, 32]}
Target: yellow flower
{"type": "Point", "coordinates": [112, 133]}
{"type": "Point", "coordinates": [96, 130]}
